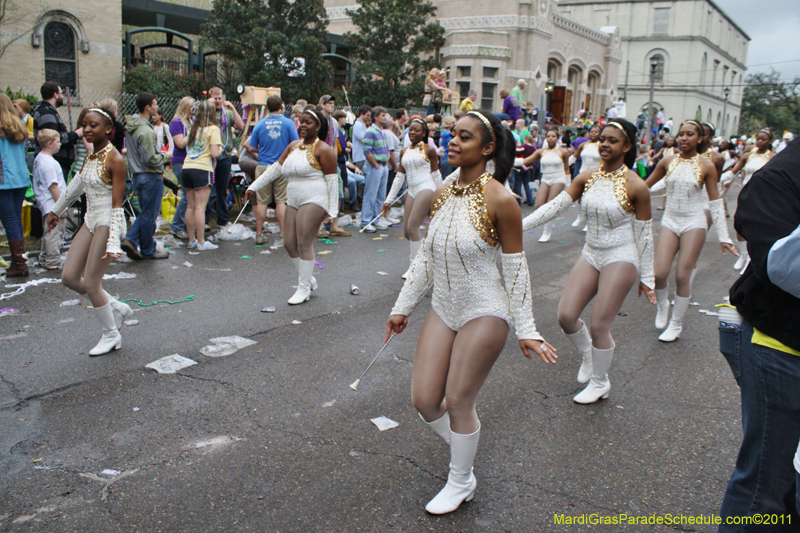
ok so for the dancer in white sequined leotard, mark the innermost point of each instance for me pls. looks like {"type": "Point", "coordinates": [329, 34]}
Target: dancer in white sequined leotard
{"type": "Point", "coordinates": [312, 195]}
{"type": "Point", "coordinates": [590, 159]}
{"type": "Point", "coordinates": [619, 241]}
{"type": "Point", "coordinates": [472, 218]}
{"type": "Point", "coordinates": [102, 180]}
{"type": "Point", "coordinates": [553, 162]}
{"type": "Point", "coordinates": [683, 227]}
{"type": "Point", "coordinates": [748, 164]}
{"type": "Point", "coordinates": [419, 166]}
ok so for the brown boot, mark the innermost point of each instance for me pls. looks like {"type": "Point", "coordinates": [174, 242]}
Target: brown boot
{"type": "Point", "coordinates": [19, 267]}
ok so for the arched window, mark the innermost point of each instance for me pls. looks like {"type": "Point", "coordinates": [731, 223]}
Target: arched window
{"type": "Point", "coordinates": [60, 65]}
{"type": "Point", "coordinates": [658, 77]}
{"type": "Point", "coordinates": [554, 71]}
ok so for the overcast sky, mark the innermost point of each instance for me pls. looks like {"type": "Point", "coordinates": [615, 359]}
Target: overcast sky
{"type": "Point", "coordinates": [773, 27]}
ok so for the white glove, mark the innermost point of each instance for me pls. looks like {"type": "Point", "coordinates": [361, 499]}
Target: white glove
{"type": "Point", "coordinates": [332, 181]}
{"type": "Point", "coordinates": [74, 189]}
{"type": "Point", "coordinates": [419, 280]}
{"type": "Point", "coordinates": [273, 172]}
{"type": "Point", "coordinates": [548, 211]}
{"type": "Point", "coordinates": [643, 237]}
{"type": "Point", "coordinates": [519, 162]}
{"type": "Point", "coordinates": [399, 179]}
{"type": "Point", "coordinates": [717, 210]}
{"type": "Point", "coordinates": [517, 280]}
{"type": "Point", "coordinates": [116, 229]}
{"type": "Point", "coordinates": [436, 175]}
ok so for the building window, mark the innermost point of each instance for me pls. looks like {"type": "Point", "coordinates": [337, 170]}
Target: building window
{"type": "Point", "coordinates": [464, 72]}
{"type": "Point", "coordinates": [703, 67]}
{"type": "Point", "coordinates": [490, 72]}
{"type": "Point", "coordinates": [463, 89]}
{"type": "Point", "coordinates": [661, 21]}
{"type": "Point", "coordinates": [714, 76]}
{"type": "Point", "coordinates": [487, 95]}
{"type": "Point", "coordinates": [59, 55]}
{"type": "Point", "coordinates": [658, 77]}
{"type": "Point", "coordinates": [708, 25]}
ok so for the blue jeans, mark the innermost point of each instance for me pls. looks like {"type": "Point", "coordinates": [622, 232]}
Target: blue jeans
{"type": "Point", "coordinates": [222, 175]}
{"type": "Point", "coordinates": [11, 211]}
{"type": "Point", "coordinates": [764, 478]}
{"type": "Point", "coordinates": [374, 191]}
{"type": "Point", "coordinates": [353, 181]}
{"type": "Point", "coordinates": [150, 189]}
{"type": "Point", "coordinates": [519, 179]}
{"type": "Point", "coordinates": [179, 220]}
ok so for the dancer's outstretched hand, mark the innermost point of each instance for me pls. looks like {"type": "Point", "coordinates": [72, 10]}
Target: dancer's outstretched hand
{"type": "Point", "coordinates": [250, 196]}
{"type": "Point", "coordinates": [729, 247]}
{"type": "Point", "coordinates": [51, 221]}
{"type": "Point", "coordinates": [543, 349]}
{"type": "Point", "coordinates": [650, 293]}
{"type": "Point", "coordinates": [396, 324]}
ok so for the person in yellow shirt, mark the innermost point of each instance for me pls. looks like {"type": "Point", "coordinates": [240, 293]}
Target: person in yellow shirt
{"type": "Point", "coordinates": [468, 104]}
{"type": "Point", "coordinates": [23, 109]}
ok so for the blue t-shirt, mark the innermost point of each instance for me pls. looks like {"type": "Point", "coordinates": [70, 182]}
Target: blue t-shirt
{"type": "Point", "coordinates": [271, 136]}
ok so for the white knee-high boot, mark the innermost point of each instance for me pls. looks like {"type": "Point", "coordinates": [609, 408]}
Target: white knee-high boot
{"type": "Point", "coordinates": [441, 426]}
{"type": "Point", "coordinates": [414, 247]}
{"type": "Point", "coordinates": [673, 331]}
{"type": "Point", "coordinates": [583, 343]}
{"type": "Point", "coordinates": [599, 385]}
{"type": "Point", "coordinates": [111, 339]}
{"type": "Point", "coordinates": [546, 231]}
{"type": "Point", "coordinates": [581, 220]}
{"type": "Point", "coordinates": [121, 310]}
{"type": "Point", "coordinates": [744, 257]}
{"type": "Point", "coordinates": [461, 481]}
{"type": "Point", "coordinates": [662, 305]}
{"type": "Point", "coordinates": [296, 262]}
{"type": "Point", "coordinates": [303, 292]}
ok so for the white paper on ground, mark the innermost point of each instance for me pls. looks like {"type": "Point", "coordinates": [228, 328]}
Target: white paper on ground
{"type": "Point", "coordinates": [110, 472]}
{"type": "Point", "coordinates": [223, 346]}
{"type": "Point", "coordinates": [383, 274]}
{"type": "Point", "coordinates": [121, 275]}
{"type": "Point", "coordinates": [131, 322]}
{"type": "Point", "coordinates": [170, 364]}
{"type": "Point", "coordinates": [70, 302]}
{"type": "Point", "coordinates": [384, 423]}
{"type": "Point", "coordinates": [187, 264]}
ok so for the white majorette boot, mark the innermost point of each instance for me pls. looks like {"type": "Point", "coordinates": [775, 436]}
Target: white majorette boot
{"type": "Point", "coordinates": [662, 305]}
{"type": "Point", "coordinates": [303, 292]}
{"type": "Point", "coordinates": [461, 481]}
{"type": "Point", "coordinates": [441, 426]}
{"type": "Point", "coordinates": [111, 339]}
{"type": "Point", "coordinates": [744, 257]}
{"type": "Point", "coordinates": [583, 343]}
{"type": "Point", "coordinates": [414, 247]}
{"type": "Point", "coordinates": [599, 385]}
{"type": "Point", "coordinates": [546, 231]}
{"type": "Point", "coordinates": [296, 262]}
{"type": "Point", "coordinates": [673, 331]}
{"type": "Point", "coordinates": [121, 310]}
{"type": "Point", "coordinates": [581, 220]}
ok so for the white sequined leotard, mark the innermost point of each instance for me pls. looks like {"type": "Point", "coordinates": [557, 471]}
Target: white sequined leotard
{"type": "Point", "coordinates": [684, 209]}
{"type": "Point", "coordinates": [609, 215]}
{"type": "Point", "coordinates": [417, 167]}
{"type": "Point", "coordinates": [552, 166]}
{"type": "Point", "coordinates": [459, 254]}
{"type": "Point", "coordinates": [754, 162]}
{"type": "Point", "coordinates": [306, 182]}
{"type": "Point", "coordinates": [590, 156]}
{"type": "Point", "coordinates": [94, 181]}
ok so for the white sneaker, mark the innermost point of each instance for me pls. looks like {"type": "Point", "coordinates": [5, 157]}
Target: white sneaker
{"type": "Point", "coordinates": [277, 244]}
{"type": "Point", "coordinates": [391, 221]}
{"type": "Point", "coordinates": [207, 246]}
{"type": "Point", "coordinates": [369, 228]}
{"type": "Point", "coordinates": [382, 224]}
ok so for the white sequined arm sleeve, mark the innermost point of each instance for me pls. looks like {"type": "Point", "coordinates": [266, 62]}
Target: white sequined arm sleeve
{"type": "Point", "coordinates": [116, 230]}
{"type": "Point", "coordinates": [453, 176]}
{"type": "Point", "coordinates": [332, 182]}
{"type": "Point", "coordinates": [643, 237]}
{"type": "Point", "coordinates": [74, 189]}
{"type": "Point", "coordinates": [548, 211]}
{"type": "Point", "coordinates": [437, 178]}
{"type": "Point", "coordinates": [399, 179]}
{"type": "Point", "coordinates": [659, 189]}
{"type": "Point", "coordinates": [418, 282]}
{"type": "Point", "coordinates": [726, 177]}
{"type": "Point", "coordinates": [273, 172]}
{"type": "Point", "coordinates": [717, 210]}
{"type": "Point", "coordinates": [517, 280]}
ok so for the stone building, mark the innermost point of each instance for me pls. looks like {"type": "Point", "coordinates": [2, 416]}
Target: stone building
{"type": "Point", "coordinates": [700, 52]}
{"type": "Point", "coordinates": [77, 44]}
{"type": "Point", "coordinates": [490, 45]}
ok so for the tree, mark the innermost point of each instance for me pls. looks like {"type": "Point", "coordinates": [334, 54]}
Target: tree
{"type": "Point", "coordinates": [393, 36]}
{"type": "Point", "coordinates": [767, 101]}
{"type": "Point", "coordinates": [273, 43]}
{"type": "Point", "coordinates": [11, 20]}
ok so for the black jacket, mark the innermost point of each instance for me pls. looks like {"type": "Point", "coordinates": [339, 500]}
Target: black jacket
{"type": "Point", "coordinates": [769, 210]}
{"type": "Point", "coordinates": [45, 116]}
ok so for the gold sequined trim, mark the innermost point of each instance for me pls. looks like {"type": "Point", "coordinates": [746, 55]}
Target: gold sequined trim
{"type": "Point", "coordinates": [475, 194]}
{"type": "Point", "coordinates": [766, 155]}
{"type": "Point", "coordinates": [421, 147]}
{"type": "Point", "coordinates": [620, 179]}
{"type": "Point", "coordinates": [708, 154]}
{"type": "Point", "coordinates": [101, 157]}
{"type": "Point", "coordinates": [694, 161]}
{"type": "Point", "coordinates": [309, 150]}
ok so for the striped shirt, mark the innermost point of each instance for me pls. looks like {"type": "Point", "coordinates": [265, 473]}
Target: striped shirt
{"type": "Point", "coordinates": [375, 144]}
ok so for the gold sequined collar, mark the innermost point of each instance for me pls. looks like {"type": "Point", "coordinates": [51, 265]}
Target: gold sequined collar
{"type": "Point", "coordinates": [620, 178]}
{"type": "Point", "coordinates": [693, 161]}
{"type": "Point", "coordinates": [420, 146]}
{"type": "Point", "coordinates": [766, 155]}
{"type": "Point", "coordinates": [309, 150]}
{"type": "Point", "coordinates": [475, 194]}
{"type": "Point", "coordinates": [708, 154]}
{"type": "Point", "coordinates": [101, 157]}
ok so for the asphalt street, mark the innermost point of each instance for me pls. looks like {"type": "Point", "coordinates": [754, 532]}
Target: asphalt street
{"type": "Point", "coordinates": [272, 438]}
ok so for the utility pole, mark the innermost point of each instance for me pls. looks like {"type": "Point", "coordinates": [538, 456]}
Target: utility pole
{"type": "Point", "coordinates": [649, 113]}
